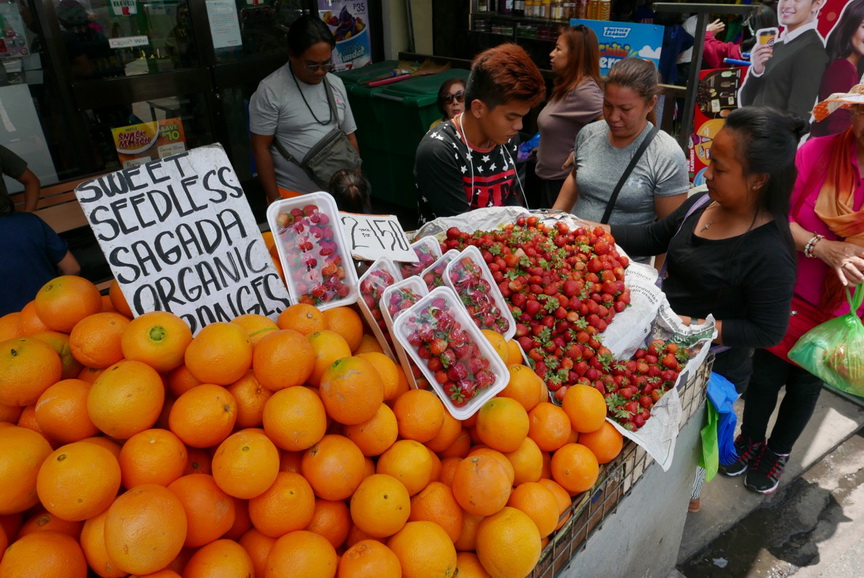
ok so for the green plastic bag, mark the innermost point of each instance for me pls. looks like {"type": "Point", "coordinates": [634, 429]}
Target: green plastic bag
{"type": "Point", "coordinates": [834, 350]}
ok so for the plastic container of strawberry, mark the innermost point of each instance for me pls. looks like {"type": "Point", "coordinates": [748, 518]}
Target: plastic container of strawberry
{"type": "Point", "coordinates": [381, 274]}
{"type": "Point", "coordinates": [452, 353]}
{"type": "Point", "coordinates": [470, 277]}
{"type": "Point", "coordinates": [396, 299]}
{"type": "Point", "coordinates": [313, 251]}
{"type": "Point", "coordinates": [433, 275]}
{"type": "Point", "coordinates": [428, 250]}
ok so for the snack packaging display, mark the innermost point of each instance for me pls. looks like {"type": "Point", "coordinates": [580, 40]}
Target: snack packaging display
{"type": "Point", "coordinates": [380, 275]}
{"type": "Point", "coordinates": [427, 250]}
{"type": "Point", "coordinates": [396, 299]}
{"type": "Point", "coordinates": [313, 251]}
{"type": "Point", "coordinates": [433, 275]}
{"type": "Point", "coordinates": [460, 364]}
{"type": "Point", "coordinates": [469, 276]}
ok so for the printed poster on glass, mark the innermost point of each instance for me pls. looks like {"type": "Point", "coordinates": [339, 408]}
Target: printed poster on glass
{"type": "Point", "coordinates": [349, 21]}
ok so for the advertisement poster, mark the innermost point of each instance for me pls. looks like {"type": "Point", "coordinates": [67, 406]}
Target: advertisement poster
{"type": "Point", "coordinates": [620, 40]}
{"type": "Point", "coordinates": [349, 22]}
{"type": "Point", "coordinates": [715, 99]}
{"type": "Point", "coordinates": [137, 144]}
{"type": "Point", "coordinates": [13, 40]}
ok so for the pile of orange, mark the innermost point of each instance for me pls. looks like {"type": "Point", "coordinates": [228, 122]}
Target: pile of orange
{"type": "Point", "coordinates": [294, 447]}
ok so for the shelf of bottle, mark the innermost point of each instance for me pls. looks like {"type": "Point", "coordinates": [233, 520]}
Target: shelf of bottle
{"type": "Point", "coordinates": [513, 18]}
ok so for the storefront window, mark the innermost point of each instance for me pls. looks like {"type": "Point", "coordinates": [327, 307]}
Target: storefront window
{"type": "Point", "coordinates": [261, 26]}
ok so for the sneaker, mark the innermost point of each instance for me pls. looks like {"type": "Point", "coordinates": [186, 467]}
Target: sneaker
{"type": "Point", "coordinates": [747, 450]}
{"type": "Point", "coordinates": [764, 475]}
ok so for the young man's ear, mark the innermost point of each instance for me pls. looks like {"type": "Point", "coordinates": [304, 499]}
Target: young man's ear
{"type": "Point", "coordinates": [478, 108]}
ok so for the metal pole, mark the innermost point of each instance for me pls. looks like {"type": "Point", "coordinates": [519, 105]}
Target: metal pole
{"type": "Point", "coordinates": [410, 15]}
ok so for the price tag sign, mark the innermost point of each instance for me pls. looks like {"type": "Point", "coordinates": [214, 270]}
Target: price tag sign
{"type": "Point", "coordinates": [374, 236]}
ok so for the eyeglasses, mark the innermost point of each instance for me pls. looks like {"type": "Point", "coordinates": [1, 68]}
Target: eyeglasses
{"type": "Point", "coordinates": [326, 66]}
{"type": "Point", "coordinates": [858, 113]}
{"type": "Point", "coordinates": [458, 97]}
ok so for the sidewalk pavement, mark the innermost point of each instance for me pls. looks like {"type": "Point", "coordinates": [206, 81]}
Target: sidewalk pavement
{"type": "Point", "coordinates": [812, 526]}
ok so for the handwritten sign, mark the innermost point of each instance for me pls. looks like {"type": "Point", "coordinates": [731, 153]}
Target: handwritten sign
{"type": "Point", "coordinates": [179, 236]}
{"type": "Point", "coordinates": [373, 236]}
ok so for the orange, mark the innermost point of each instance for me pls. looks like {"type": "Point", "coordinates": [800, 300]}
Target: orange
{"type": "Point", "coordinates": [27, 368]}
{"type": "Point", "coordinates": [447, 435]}
{"type": "Point", "coordinates": [220, 559]}
{"type": "Point", "coordinates": [180, 380]}
{"type": "Point", "coordinates": [290, 461]}
{"type": "Point", "coordinates": [563, 498]}
{"type": "Point", "coordinates": [78, 481]}
{"type": "Point", "coordinates": [257, 326]}
{"type": "Point", "coordinates": [514, 353]}
{"type": "Point", "coordinates": [287, 505]}
{"type": "Point", "coordinates": [524, 386]}
{"type": "Point", "coordinates": [9, 326]}
{"type": "Point", "coordinates": [107, 306]}
{"type": "Point", "coordinates": [22, 451]}
{"type": "Point", "coordinates": [469, 566]}
{"type": "Point", "coordinates": [242, 521]}
{"type": "Point", "coordinates": [420, 415]}
{"type": "Point", "coordinates": [527, 461]}
{"type": "Point", "coordinates": [448, 468]}
{"type": "Point", "coordinates": [153, 456]}
{"type": "Point", "coordinates": [585, 406]}
{"type": "Point", "coordinates": [502, 424]}
{"type": "Point", "coordinates": [381, 505]}
{"type": "Point", "coordinates": [351, 390]}
{"type": "Point", "coordinates": [402, 387]}
{"type": "Point", "coordinates": [66, 300]}
{"type": "Point", "coordinates": [575, 467]}
{"type": "Point", "coordinates": [605, 443]}
{"type": "Point", "coordinates": [435, 503]}
{"type": "Point", "coordinates": [89, 374]}
{"type": "Point", "coordinates": [294, 418]}
{"type": "Point", "coordinates": [126, 399]}
{"type": "Point", "coordinates": [44, 555]}
{"type": "Point", "coordinates": [29, 322]}
{"type": "Point", "coordinates": [198, 462]}
{"type": "Point", "coordinates": [331, 520]}
{"type": "Point", "coordinates": [369, 345]}
{"type": "Point", "coordinates": [283, 358]}
{"type": "Point", "coordinates": [347, 323]}
{"type": "Point", "coordinates": [145, 529]}
{"type": "Point", "coordinates": [408, 461]}
{"type": "Point", "coordinates": [375, 435]}
{"type": "Point", "coordinates": [549, 426]}
{"type": "Point", "coordinates": [203, 416]}
{"type": "Point", "coordinates": [251, 397]}
{"type": "Point", "coordinates": [301, 553]}
{"type": "Point", "coordinates": [539, 503]}
{"type": "Point", "coordinates": [334, 467]}
{"type": "Point", "coordinates": [44, 521]}
{"type": "Point", "coordinates": [93, 544]}
{"type": "Point", "coordinates": [157, 338]}
{"type": "Point", "coordinates": [424, 549]}
{"type": "Point", "coordinates": [61, 411]}
{"type": "Point", "coordinates": [508, 543]}
{"type": "Point", "coordinates": [369, 559]}
{"type": "Point", "coordinates": [221, 353]}
{"type": "Point", "coordinates": [209, 511]}
{"type": "Point", "coordinates": [60, 343]}
{"type": "Point", "coordinates": [9, 525]}
{"type": "Point", "coordinates": [107, 443]}
{"type": "Point", "coordinates": [246, 464]}
{"type": "Point", "coordinates": [328, 346]}
{"type": "Point", "coordinates": [258, 546]}
{"type": "Point", "coordinates": [303, 318]}
{"type": "Point", "coordinates": [95, 340]}
{"type": "Point", "coordinates": [118, 299]}
{"type": "Point", "coordinates": [481, 484]}
{"type": "Point", "coordinates": [387, 370]}
{"type": "Point", "coordinates": [9, 414]}
{"type": "Point", "coordinates": [460, 447]}
{"type": "Point", "coordinates": [495, 454]}
{"type": "Point", "coordinates": [498, 343]}
{"type": "Point", "coordinates": [468, 536]}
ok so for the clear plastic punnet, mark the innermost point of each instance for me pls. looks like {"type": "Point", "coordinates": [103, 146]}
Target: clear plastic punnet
{"type": "Point", "coordinates": [427, 250]}
{"type": "Point", "coordinates": [397, 299]}
{"type": "Point", "coordinates": [313, 251]}
{"type": "Point", "coordinates": [470, 277]}
{"type": "Point", "coordinates": [433, 275]}
{"type": "Point", "coordinates": [380, 275]}
{"type": "Point", "coordinates": [459, 362]}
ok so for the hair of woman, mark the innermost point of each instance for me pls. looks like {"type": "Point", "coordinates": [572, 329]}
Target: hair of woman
{"type": "Point", "coordinates": [765, 17]}
{"type": "Point", "coordinates": [839, 43]}
{"type": "Point", "coordinates": [640, 76]}
{"type": "Point", "coordinates": [350, 189]}
{"type": "Point", "coordinates": [503, 74]}
{"type": "Point", "coordinates": [307, 31]}
{"type": "Point", "coordinates": [767, 141]}
{"type": "Point", "coordinates": [583, 60]}
{"type": "Point", "coordinates": [444, 91]}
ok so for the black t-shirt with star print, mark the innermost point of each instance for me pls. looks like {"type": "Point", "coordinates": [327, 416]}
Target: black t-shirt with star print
{"type": "Point", "coordinates": [452, 179]}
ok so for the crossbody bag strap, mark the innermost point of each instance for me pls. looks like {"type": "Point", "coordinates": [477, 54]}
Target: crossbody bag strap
{"type": "Point", "coordinates": [704, 200]}
{"type": "Point", "coordinates": [639, 152]}
{"type": "Point", "coordinates": [331, 101]}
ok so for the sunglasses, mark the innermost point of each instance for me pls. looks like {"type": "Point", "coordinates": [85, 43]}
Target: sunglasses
{"type": "Point", "coordinates": [458, 97]}
{"type": "Point", "coordinates": [326, 66]}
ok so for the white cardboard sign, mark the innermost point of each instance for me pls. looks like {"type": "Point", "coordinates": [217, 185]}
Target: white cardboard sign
{"type": "Point", "coordinates": [179, 236]}
{"type": "Point", "coordinates": [371, 237]}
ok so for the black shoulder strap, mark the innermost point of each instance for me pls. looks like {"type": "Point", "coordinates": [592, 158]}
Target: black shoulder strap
{"type": "Point", "coordinates": [331, 100]}
{"type": "Point", "coordinates": [639, 152]}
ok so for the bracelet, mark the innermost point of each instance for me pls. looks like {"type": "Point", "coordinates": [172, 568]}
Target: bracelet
{"type": "Point", "coordinates": [811, 244]}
